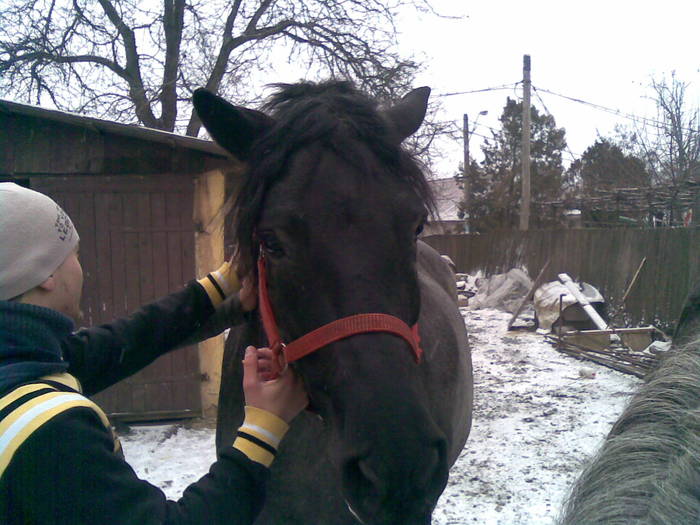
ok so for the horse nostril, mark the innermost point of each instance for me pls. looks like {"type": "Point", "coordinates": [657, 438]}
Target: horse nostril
{"type": "Point", "coordinates": [366, 490]}
{"type": "Point", "coordinates": [394, 488]}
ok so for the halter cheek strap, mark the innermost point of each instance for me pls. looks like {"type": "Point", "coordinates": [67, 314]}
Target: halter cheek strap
{"type": "Point", "coordinates": [331, 332]}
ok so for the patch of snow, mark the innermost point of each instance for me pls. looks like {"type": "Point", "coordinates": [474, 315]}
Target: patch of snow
{"type": "Point", "coordinates": [537, 419]}
{"type": "Point", "coordinates": [538, 416]}
{"type": "Point", "coordinates": [170, 456]}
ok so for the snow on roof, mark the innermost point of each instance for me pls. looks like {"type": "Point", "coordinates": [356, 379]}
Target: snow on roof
{"type": "Point", "coordinates": [448, 195]}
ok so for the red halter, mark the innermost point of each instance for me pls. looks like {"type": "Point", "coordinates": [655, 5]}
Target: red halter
{"type": "Point", "coordinates": [331, 332]}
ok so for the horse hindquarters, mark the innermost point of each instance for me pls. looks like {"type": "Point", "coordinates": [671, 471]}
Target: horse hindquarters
{"type": "Point", "coordinates": [648, 469]}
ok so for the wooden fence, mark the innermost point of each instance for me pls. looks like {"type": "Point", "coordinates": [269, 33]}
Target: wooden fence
{"type": "Point", "coordinates": [605, 258]}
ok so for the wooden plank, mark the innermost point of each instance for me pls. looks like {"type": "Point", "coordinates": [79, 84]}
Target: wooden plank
{"type": "Point", "coordinates": [635, 330]}
{"type": "Point", "coordinates": [103, 248]}
{"type": "Point", "coordinates": [131, 184]}
{"type": "Point", "coordinates": [535, 285]}
{"type": "Point", "coordinates": [175, 280]}
{"type": "Point", "coordinates": [132, 266]}
{"type": "Point", "coordinates": [160, 245]}
{"type": "Point", "coordinates": [132, 270]}
{"type": "Point", "coordinates": [145, 249]}
{"type": "Point", "coordinates": [634, 280]}
{"type": "Point", "coordinates": [117, 255]}
{"type": "Point", "coordinates": [86, 228]}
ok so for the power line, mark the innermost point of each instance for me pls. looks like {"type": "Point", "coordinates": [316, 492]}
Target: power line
{"type": "Point", "coordinates": [616, 112]}
{"type": "Point", "coordinates": [537, 94]}
{"type": "Point", "coordinates": [457, 129]}
{"type": "Point", "coordinates": [494, 88]}
{"type": "Point", "coordinates": [480, 135]}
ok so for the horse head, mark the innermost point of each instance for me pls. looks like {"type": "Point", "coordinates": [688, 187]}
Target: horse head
{"type": "Point", "coordinates": [334, 205]}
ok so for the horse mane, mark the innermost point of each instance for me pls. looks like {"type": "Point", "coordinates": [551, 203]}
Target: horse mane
{"type": "Point", "coordinates": [332, 114]}
{"type": "Point", "coordinates": [648, 470]}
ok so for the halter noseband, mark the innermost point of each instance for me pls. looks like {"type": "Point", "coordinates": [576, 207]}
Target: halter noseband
{"type": "Point", "coordinates": [331, 332]}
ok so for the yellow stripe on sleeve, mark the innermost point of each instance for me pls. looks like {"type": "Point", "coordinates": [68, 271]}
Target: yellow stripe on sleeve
{"type": "Point", "coordinates": [19, 392]}
{"type": "Point", "coordinates": [28, 417]}
{"type": "Point", "coordinates": [65, 379]}
{"type": "Point", "coordinates": [212, 292]}
{"type": "Point", "coordinates": [264, 426]}
{"type": "Point", "coordinates": [253, 451]}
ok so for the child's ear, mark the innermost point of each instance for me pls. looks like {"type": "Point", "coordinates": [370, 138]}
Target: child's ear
{"type": "Point", "coordinates": [49, 284]}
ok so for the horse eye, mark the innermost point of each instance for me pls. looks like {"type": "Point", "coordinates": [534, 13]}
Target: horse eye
{"type": "Point", "coordinates": [420, 227]}
{"type": "Point", "coordinates": [271, 244]}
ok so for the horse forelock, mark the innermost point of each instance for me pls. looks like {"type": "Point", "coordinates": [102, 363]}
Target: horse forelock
{"type": "Point", "coordinates": [335, 116]}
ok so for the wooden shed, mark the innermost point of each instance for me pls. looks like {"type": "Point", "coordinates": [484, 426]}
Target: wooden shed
{"type": "Point", "coordinates": [148, 206]}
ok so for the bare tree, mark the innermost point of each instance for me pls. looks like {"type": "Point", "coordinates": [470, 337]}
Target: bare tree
{"type": "Point", "coordinates": [670, 144]}
{"type": "Point", "coordinates": [137, 61]}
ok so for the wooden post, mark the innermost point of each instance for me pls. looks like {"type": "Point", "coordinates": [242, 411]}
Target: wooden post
{"type": "Point", "coordinates": [634, 280]}
{"type": "Point", "coordinates": [525, 156]}
{"type": "Point", "coordinates": [209, 247]}
{"type": "Point", "coordinates": [465, 173]}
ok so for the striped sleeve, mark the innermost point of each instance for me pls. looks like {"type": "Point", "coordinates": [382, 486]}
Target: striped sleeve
{"type": "Point", "coordinates": [220, 283]}
{"type": "Point", "coordinates": [260, 434]}
{"type": "Point", "coordinates": [27, 408]}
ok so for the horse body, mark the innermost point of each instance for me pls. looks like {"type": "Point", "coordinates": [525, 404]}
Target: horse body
{"type": "Point", "coordinates": [648, 470]}
{"type": "Point", "coordinates": [336, 206]}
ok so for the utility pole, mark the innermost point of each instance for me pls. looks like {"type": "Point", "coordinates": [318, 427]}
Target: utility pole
{"type": "Point", "coordinates": [525, 154]}
{"type": "Point", "coordinates": [465, 172]}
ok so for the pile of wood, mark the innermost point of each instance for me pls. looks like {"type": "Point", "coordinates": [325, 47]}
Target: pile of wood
{"type": "Point", "coordinates": [627, 350]}
{"type": "Point", "coordinates": [615, 355]}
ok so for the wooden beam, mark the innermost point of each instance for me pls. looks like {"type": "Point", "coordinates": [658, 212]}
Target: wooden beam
{"type": "Point", "coordinates": [634, 279]}
{"type": "Point", "coordinates": [209, 255]}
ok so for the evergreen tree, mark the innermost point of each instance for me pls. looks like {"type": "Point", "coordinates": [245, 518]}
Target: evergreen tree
{"type": "Point", "coordinates": [604, 166]}
{"type": "Point", "coordinates": [496, 184]}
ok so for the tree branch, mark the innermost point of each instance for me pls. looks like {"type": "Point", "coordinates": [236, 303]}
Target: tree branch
{"type": "Point", "coordinates": [59, 59]}
{"type": "Point", "coordinates": [136, 89]}
{"type": "Point", "coordinates": [173, 21]}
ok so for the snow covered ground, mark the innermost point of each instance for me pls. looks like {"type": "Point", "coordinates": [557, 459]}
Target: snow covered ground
{"type": "Point", "coordinates": [538, 415]}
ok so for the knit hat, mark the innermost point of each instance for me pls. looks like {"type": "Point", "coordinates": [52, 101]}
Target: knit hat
{"type": "Point", "coordinates": [36, 236]}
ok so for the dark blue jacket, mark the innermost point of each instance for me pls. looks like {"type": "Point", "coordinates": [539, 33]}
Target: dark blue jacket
{"type": "Point", "coordinates": [66, 472]}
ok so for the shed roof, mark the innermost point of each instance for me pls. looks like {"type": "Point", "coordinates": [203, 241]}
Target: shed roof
{"type": "Point", "coordinates": [38, 142]}
{"type": "Point", "coordinates": [116, 128]}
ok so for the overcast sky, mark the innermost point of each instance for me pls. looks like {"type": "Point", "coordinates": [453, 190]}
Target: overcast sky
{"type": "Point", "coordinates": [604, 52]}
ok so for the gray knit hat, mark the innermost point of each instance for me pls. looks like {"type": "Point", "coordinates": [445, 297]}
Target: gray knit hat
{"type": "Point", "coordinates": [36, 236]}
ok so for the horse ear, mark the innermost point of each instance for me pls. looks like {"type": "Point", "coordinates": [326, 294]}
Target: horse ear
{"type": "Point", "coordinates": [407, 115]}
{"type": "Point", "coordinates": [235, 128]}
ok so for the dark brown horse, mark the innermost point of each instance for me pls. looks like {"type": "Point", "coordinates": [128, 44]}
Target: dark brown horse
{"type": "Point", "coordinates": [648, 470]}
{"type": "Point", "coordinates": [335, 205]}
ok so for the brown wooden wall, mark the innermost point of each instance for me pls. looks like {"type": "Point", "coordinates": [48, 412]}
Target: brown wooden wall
{"type": "Point", "coordinates": [136, 244]}
{"type": "Point", "coordinates": [37, 145]}
{"type": "Point", "coordinates": [606, 258]}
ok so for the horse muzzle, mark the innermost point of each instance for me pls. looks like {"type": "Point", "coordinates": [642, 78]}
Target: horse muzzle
{"type": "Point", "coordinates": [399, 490]}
